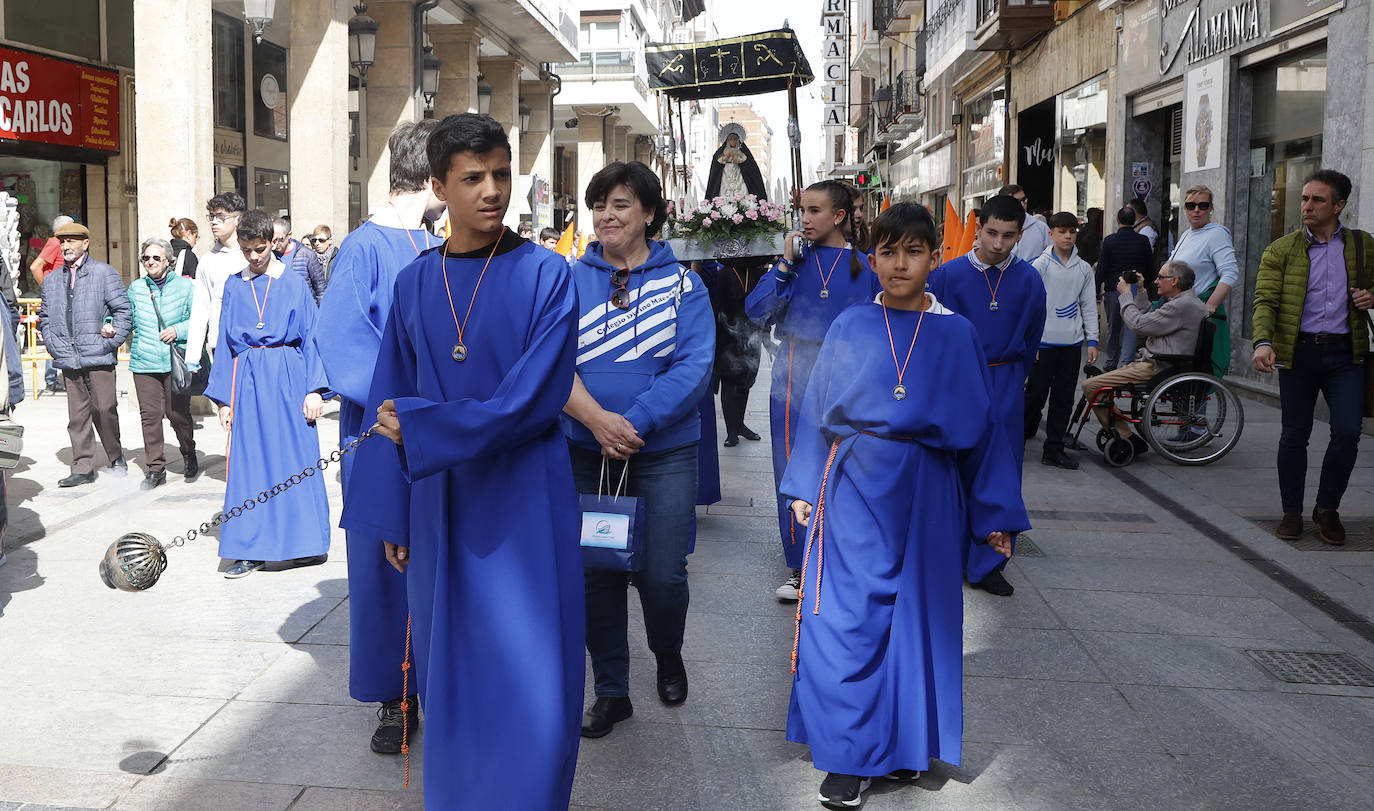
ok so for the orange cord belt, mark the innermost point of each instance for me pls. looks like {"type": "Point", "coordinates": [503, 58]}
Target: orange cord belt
{"type": "Point", "coordinates": [815, 536]}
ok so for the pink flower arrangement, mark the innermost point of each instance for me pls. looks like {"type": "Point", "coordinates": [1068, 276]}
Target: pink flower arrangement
{"type": "Point", "coordinates": [737, 219]}
{"type": "Point", "coordinates": [727, 218]}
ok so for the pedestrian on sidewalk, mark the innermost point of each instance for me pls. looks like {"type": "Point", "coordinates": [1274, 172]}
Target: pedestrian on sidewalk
{"type": "Point", "coordinates": [267, 384]}
{"type": "Point", "coordinates": [1207, 248]}
{"type": "Point", "coordinates": [300, 259]}
{"type": "Point", "coordinates": [322, 240]}
{"type": "Point", "coordinates": [161, 303]}
{"type": "Point", "coordinates": [1126, 250]}
{"type": "Point", "coordinates": [474, 493]}
{"type": "Point", "coordinates": [644, 365]}
{"type": "Point", "coordinates": [799, 298]}
{"type": "Point", "coordinates": [1004, 298]}
{"type": "Point", "coordinates": [1035, 233]}
{"type": "Point", "coordinates": [1070, 322]}
{"type": "Point", "coordinates": [222, 261]}
{"type": "Point", "coordinates": [899, 454]}
{"type": "Point", "coordinates": [85, 317]}
{"type": "Point", "coordinates": [48, 260]}
{"type": "Point", "coordinates": [1312, 295]}
{"type": "Point", "coordinates": [348, 337]}
{"type": "Point", "coordinates": [184, 236]}
{"type": "Point", "coordinates": [738, 343]}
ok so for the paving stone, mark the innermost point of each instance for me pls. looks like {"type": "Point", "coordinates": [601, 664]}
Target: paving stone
{"type": "Point", "coordinates": [1123, 543]}
{"type": "Point", "coordinates": [720, 694]}
{"type": "Point", "coordinates": [1150, 576]}
{"type": "Point", "coordinates": [748, 593]}
{"type": "Point", "coordinates": [1027, 654]}
{"type": "Point", "coordinates": [1249, 782]}
{"type": "Point", "coordinates": [1178, 614]}
{"type": "Point", "coordinates": [332, 799]}
{"type": "Point", "coordinates": [1066, 716]}
{"type": "Point", "coordinates": [306, 674]}
{"type": "Point", "coordinates": [65, 785]}
{"type": "Point", "coordinates": [1180, 661]}
{"type": "Point", "coordinates": [160, 792]}
{"type": "Point", "coordinates": [329, 629]}
{"type": "Point", "coordinates": [1025, 609]}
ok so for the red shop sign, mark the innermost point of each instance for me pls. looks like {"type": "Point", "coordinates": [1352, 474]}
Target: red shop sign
{"type": "Point", "coordinates": [53, 101]}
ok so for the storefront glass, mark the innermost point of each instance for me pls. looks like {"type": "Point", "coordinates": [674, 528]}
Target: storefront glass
{"type": "Point", "coordinates": [226, 61]}
{"type": "Point", "coordinates": [1082, 145]}
{"type": "Point", "coordinates": [229, 178]}
{"type": "Point", "coordinates": [272, 192]}
{"type": "Point", "coordinates": [986, 121]}
{"type": "Point", "coordinates": [44, 190]}
{"type": "Point", "coordinates": [1285, 146]}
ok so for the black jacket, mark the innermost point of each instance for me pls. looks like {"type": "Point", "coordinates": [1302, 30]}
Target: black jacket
{"type": "Point", "coordinates": [188, 266]}
{"type": "Point", "coordinates": [1124, 250]}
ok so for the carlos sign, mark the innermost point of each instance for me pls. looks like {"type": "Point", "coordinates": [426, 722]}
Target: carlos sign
{"type": "Point", "coordinates": [52, 101]}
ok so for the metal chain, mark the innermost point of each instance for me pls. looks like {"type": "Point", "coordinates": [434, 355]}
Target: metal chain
{"type": "Point", "coordinates": [322, 464]}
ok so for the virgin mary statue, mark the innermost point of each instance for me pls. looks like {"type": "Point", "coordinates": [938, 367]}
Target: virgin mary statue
{"type": "Point", "coordinates": [734, 172]}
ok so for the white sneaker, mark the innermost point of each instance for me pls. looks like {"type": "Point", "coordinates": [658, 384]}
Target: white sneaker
{"type": "Point", "coordinates": [787, 592]}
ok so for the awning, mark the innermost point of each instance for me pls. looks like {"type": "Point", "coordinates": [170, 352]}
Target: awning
{"type": "Point", "coordinates": [738, 66]}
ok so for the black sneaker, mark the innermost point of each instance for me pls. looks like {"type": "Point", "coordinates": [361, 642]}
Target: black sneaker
{"type": "Point", "coordinates": [119, 466]}
{"type": "Point", "coordinates": [1059, 459]}
{"type": "Point", "coordinates": [995, 583]}
{"type": "Point", "coordinates": [843, 790]}
{"type": "Point", "coordinates": [192, 467]}
{"type": "Point", "coordinates": [395, 724]}
{"type": "Point", "coordinates": [903, 775]}
{"type": "Point", "coordinates": [790, 587]}
{"type": "Point", "coordinates": [154, 478]}
{"type": "Point", "coordinates": [242, 569]}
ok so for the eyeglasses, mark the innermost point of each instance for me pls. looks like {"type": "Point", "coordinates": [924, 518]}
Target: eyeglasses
{"type": "Point", "coordinates": [620, 297]}
{"type": "Point", "coordinates": [318, 240]}
{"type": "Point", "coordinates": [1164, 276]}
{"type": "Point", "coordinates": [221, 217]}
{"type": "Point", "coordinates": [147, 259]}
{"type": "Point", "coordinates": [1200, 205]}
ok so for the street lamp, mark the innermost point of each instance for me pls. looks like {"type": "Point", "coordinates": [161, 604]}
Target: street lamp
{"type": "Point", "coordinates": [362, 42]}
{"type": "Point", "coordinates": [524, 116]}
{"type": "Point", "coordinates": [429, 76]}
{"type": "Point", "coordinates": [882, 104]}
{"type": "Point", "coordinates": [484, 92]}
{"type": "Point", "coordinates": [259, 14]}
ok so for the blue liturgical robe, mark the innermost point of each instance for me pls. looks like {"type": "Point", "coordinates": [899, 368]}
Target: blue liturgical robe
{"type": "Point", "coordinates": [263, 374]}
{"type": "Point", "coordinates": [482, 493]}
{"type": "Point", "coordinates": [348, 336]}
{"type": "Point", "coordinates": [802, 316]}
{"type": "Point", "coordinates": [1010, 337]}
{"type": "Point", "coordinates": [880, 638]}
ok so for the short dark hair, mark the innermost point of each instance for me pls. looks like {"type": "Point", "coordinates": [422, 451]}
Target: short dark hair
{"type": "Point", "coordinates": [548, 233]}
{"type": "Point", "coordinates": [227, 201]}
{"type": "Point", "coordinates": [463, 132]}
{"type": "Point", "coordinates": [1003, 207]}
{"type": "Point", "coordinates": [1010, 190]}
{"type": "Point", "coordinates": [1126, 216]}
{"type": "Point", "coordinates": [255, 224]}
{"type": "Point", "coordinates": [901, 221]}
{"type": "Point", "coordinates": [643, 183]}
{"type": "Point", "coordinates": [409, 167]}
{"type": "Point", "coordinates": [1139, 207]}
{"type": "Point", "coordinates": [1339, 183]}
{"type": "Point", "coordinates": [1063, 219]}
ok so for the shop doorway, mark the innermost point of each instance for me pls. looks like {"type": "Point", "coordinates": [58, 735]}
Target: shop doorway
{"type": "Point", "coordinates": [1035, 138]}
{"type": "Point", "coordinates": [1157, 160]}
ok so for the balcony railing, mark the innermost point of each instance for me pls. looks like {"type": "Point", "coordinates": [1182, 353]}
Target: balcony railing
{"type": "Point", "coordinates": [1009, 25]}
{"type": "Point", "coordinates": [607, 64]}
{"type": "Point", "coordinates": [884, 12]}
{"type": "Point", "coordinates": [905, 98]}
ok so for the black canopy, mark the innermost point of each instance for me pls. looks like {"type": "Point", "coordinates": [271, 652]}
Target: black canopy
{"type": "Point", "coordinates": [738, 66]}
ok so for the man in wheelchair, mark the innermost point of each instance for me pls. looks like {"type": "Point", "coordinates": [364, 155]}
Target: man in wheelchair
{"type": "Point", "coordinates": [1169, 331]}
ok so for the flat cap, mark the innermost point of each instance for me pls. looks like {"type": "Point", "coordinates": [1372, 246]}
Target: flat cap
{"type": "Point", "coordinates": [73, 229]}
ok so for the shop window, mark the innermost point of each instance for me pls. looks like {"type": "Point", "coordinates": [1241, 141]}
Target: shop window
{"type": "Point", "coordinates": [985, 121]}
{"type": "Point", "coordinates": [229, 178]}
{"type": "Point", "coordinates": [75, 31]}
{"type": "Point", "coordinates": [272, 192]}
{"type": "Point", "coordinates": [227, 71]}
{"type": "Point", "coordinates": [1285, 146]}
{"type": "Point", "coordinates": [43, 190]}
{"type": "Point", "coordinates": [119, 32]}
{"type": "Point", "coordinates": [269, 90]}
{"type": "Point", "coordinates": [1082, 145]}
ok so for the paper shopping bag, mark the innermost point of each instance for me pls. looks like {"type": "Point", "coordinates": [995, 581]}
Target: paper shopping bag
{"type": "Point", "coordinates": [612, 529]}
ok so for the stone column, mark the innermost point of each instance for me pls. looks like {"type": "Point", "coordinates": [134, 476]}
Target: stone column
{"type": "Point", "coordinates": [174, 115]}
{"type": "Point", "coordinates": [319, 114]}
{"type": "Point", "coordinates": [536, 143]}
{"type": "Point", "coordinates": [624, 141]}
{"type": "Point", "coordinates": [391, 91]}
{"type": "Point", "coordinates": [591, 157]}
{"type": "Point", "coordinates": [503, 74]}
{"type": "Point", "coordinates": [456, 46]}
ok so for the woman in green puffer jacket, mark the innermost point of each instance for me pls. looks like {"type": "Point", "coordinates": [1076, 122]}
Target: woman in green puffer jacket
{"type": "Point", "coordinates": [162, 312]}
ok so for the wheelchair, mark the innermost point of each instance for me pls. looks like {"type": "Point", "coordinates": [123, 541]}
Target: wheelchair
{"type": "Point", "coordinates": [1184, 413]}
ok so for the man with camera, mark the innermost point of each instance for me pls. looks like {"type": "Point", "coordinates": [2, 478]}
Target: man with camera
{"type": "Point", "coordinates": [1171, 329]}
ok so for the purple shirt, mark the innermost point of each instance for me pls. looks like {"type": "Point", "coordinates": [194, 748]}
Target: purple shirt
{"type": "Point", "coordinates": [1328, 287]}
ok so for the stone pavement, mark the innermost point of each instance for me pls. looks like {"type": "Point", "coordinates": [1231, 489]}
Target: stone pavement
{"type": "Point", "coordinates": [1116, 677]}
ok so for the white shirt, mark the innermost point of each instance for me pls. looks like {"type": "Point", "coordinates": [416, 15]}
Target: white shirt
{"type": "Point", "coordinates": [1034, 239]}
{"type": "Point", "coordinates": [214, 269]}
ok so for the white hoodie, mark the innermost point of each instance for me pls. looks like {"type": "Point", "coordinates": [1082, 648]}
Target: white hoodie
{"type": "Point", "coordinates": [1070, 300]}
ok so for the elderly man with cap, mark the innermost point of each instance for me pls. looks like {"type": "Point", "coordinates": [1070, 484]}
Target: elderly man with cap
{"type": "Point", "coordinates": [85, 316]}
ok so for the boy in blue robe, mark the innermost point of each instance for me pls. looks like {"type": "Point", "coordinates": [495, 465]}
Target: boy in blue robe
{"type": "Point", "coordinates": [348, 336]}
{"type": "Point", "coordinates": [1004, 298]}
{"type": "Point", "coordinates": [474, 494]}
{"type": "Point", "coordinates": [267, 381]}
{"type": "Point", "coordinates": [898, 456]}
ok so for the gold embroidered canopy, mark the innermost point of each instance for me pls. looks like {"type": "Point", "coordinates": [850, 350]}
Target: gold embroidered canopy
{"type": "Point", "coordinates": [738, 66]}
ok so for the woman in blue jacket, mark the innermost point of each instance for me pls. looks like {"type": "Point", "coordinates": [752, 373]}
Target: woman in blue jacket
{"type": "Point", "coordinates": [645, 343]}
{"type": "Point", "coordinates": [162, 313]}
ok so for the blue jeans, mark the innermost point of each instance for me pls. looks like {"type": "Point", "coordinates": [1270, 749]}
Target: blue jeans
{"type": "Point", "coordinates": [667, 481]}
{"type": "Point", "coordinates": [1327, 369]}
{"type": "Point", "coordinates": [1120, 345]}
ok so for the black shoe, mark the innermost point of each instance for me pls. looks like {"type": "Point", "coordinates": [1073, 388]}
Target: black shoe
{"type": "Point", "coordinates": [748, 434]}
{"type": "Point", "coordinates": [312, 560]}
{"type": "Point", "coordinates": [903, 775]}
{"type": "Point", "coordinates": [606, 712]}
{"type": "Point", "coordinates": [1141, 446]}
{"type": "Point", "coordinates": [76, 479]}
{"type": "Point", "coordinates": [154, 478]}
{"type": "Point", "coordinates": [1059, 459]}
{"type": "Point", "coordinates": [119, 466]}
{"type": "Point", "coordinates": [731, 441]}
{"type": "Point", "coordinates": [996, 584]}
{"type": "Point", "coordinates": [843, 790]}
{"type": "Point", "coordinates": [397, 720]}
{"type": "Point", "coordinates": [192, 467]}
{"type": "Point", "coordinates": [672, 679]}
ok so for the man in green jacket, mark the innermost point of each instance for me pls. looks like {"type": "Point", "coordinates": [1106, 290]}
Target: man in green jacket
{"type": "Point", "coordinates": [1310, 323]}
{"type": "Point", "coordinates": [162, 314]}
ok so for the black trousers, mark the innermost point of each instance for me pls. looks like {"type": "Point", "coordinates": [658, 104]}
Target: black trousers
{"type": "Point", "coordinates": [1054, 375]}
{"type": "Point", "coordinates": [734, 398]}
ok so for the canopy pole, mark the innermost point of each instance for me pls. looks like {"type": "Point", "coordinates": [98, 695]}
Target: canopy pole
{"type": "Point", "coordinates": [672, 153]}
{"type": "Point", "coordinates": [682, 130]}
{"type": "Point", "coordinates": [794, 136]}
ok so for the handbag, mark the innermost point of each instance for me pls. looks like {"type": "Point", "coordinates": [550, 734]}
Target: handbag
{"type": "Point", "coordinates": [612, 526]}
{"type": "Point", "coordinates": [184, 381]}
